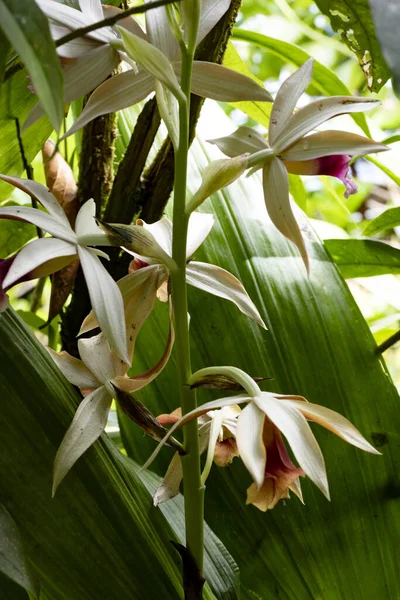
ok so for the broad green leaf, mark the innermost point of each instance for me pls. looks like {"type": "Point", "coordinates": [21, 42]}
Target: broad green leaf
{"type": "Point", "coordinates": [353, 22]}
{"type": "Point", "coordinates": [28, 31]}
{"type": "Point", "coordinates": [387, 220]}
{"type": "Point", "coordinates": [363, 258]}
{"type": "Point", "coordinates": [324, 80]}
{"type": "Point", "coordinates": [15, 103]}
{"type": "Point", "coordinates": [298, 191]}
{"type": "Point", "coordinates": [13, 561]}
{"type": "Point", "coordinates": [317, 345]}
{"type": "Point", "coordinates": [100, 537]}
{"type": "Point", "coordinates": [4, 49]}
{"type": "Point", "coordinates": [13, 235]}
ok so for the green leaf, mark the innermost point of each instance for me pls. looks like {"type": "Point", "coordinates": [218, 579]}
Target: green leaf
{"type": "Point", "coordinates": [353, 22]}
{"type": "Point", "coordinates": [15, 103]}
{"type": "Point", "coordinates": [13, 561]}
{"type": "Point", "coordinates": [324, 80]}
{"type": "Point", "coordinates": [4, 49]}
{"type": "Point", "coordinates": [318, 345]}
{"type": "Point", "coordinates": [298, 191]}
{"type": "Point", "coordinates": [14, 235]}
{"type": "Point", "coordinates": [28, 31]}
{"type": "Point", "coordinates": [363, 258]}
{"type": "Point", "coordinates": [387, 220]}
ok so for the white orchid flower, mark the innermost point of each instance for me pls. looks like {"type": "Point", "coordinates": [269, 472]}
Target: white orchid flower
{"type": "Point", "coordinates": [100, 376]}
{"type": "Point", "coordinates": [262, 450]}
{"type": "Point", "coordinates": [159, 58]}
{"type": "Point", "coordinates": [217, 432]}
{"type": "Point", "coordinates": [50, 254]}
{"type": "Point", "coordinates": [290, 149]}
{"type": "Point", "coordinates": [204, 276]}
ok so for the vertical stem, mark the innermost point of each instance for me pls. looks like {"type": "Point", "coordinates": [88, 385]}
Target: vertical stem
{"type": "Point", "coordinates": [193, 489]}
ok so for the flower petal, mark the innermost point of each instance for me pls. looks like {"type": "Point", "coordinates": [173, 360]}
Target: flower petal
{"type": "Point", "coordinates": [287, 98]}
{"type": "Point", "coordinates": [249, 439]}
{"type": "Point", "coordinates": [334, 422]}
{"type": "Point", "coordinates": [244, 139]}
{"type": "Point", "coordinates": [75, 48]}
{"type": "Point", "coordinates": [74, 370]}
{"type": "Point", "coordinates": [193, 414]}
{"type": "Point", "coordinates": [217, 175]}
{"type": "Point", "coordinates": [169, 487]}
{"type": "Point", "coordinates": [73, 19]}
{"type": "Point", "coordinates": [41, 194]}
{"type": "Point", "coordinates": [159, 32]}
{"type": "Point", "coordinates": [87, 425]}
{"type": "Point", "coordinates": [40, 219]}
{"type": "Point", "coordinates": [87, 231]}
{"type": "Point", "coordinates": [214, 81]}
{"type": "Point", "coordinates": [290, 421]}
{"type": "Point", "coordinates": [199, 226]}
{"type": "Point", "coordinates": [40, 258]}
{"type": "Point", "coordinates": [92, 9]}
{"type": "Point", "coordinates": [276, 195]}
{"type": "Point", "coordinates": [214, 433]}
{"type": "Point", "coordinates": [318, 112]}
{"type": "Point", "coordinates": [106, 301]}
{"type": "Point", "coordinates": [169, 111]}
{"type": "Point", "coordinates": [211, 12]}
{"type": "Point", "coordinates": [95, 352]}
{"type": "Point", "coordinates": [325, 143]}
{"type": "Point", "coordinates": [128, 22]}
{"type": "Point", "coordinates": [117, 93]}
{"type": "Point", "coordinates": [223, 284]}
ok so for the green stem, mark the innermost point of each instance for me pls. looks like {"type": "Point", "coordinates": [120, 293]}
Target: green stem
{"type": "Point", "coordinates": [193, 489]}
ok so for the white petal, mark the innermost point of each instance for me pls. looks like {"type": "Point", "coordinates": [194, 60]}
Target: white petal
{"type": "Point", "coordinates": [162, 232]}
{"type": "Point", "coordinates": [249, 439]}
{"type": "Point", "coordinates": [41, 194]}
{"type": "Point", "coordinates": [88, 424]}
{"type": "Point", "coordinates": [301, 439]}
{"type": "Point", "coordinates": [223, 284]}
{"type": "Point", "coordinates": [73, 19]}
{"type": "Point", "coordinates": [277, 201]}
{"type": "Point", "coordinates": [215, 430]}
{"type": "Point", "coordinates": [106, 301]}
{"type": "Point", "coordinates": [169, 111]}
{"type": "Point", "coordinates": [87, 230]}
{"type": "Point", "coordinates": [117, 93]}
{"type": "Point", "coordinates": [197, 412]}
{"type": "Point", "coordinates": [287, 98]}
{"type": "Point", "coordinates": [40, 219]}
{"type": "Point", "coordinates": [159, 32]}
{"type": "Point", "coordinates": [169, 487]}
{"type": "Point", "coordinates": [200, 225]}
{"type": "Point", "coordinates": [211, 12]}
{"type": "Point", "coordinates": [95, 352]}
{"type": "Point", "coordinates": [128, 22]}
{"type": "Point", "coordinates": [48, 252]}
{"type": "Point", "coordinates": [326, 143]}
{"type": "Point", "coordinates": [334, 422]}
{"type": "Point", "coordinates": [74, 370]}
{"type": "Point", "coordinates": [92, 8]}
{"type": "Point", "coordinates": [225, 85]}
{"type": "Point", "coordinates": [312, 115]}
{"type": "Point", "coordinates": [241, 141]}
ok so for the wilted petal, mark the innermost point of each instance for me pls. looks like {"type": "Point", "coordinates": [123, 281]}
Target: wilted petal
{"type": "Point", "coordinates": [159, 31]}
{"type": "Point", "coordinates": [60, 181]}
{"type": "Point", "coordinates": [249, 439]}
{"type": "Point", "coordinates": [223, 284]}
{"type": "Point", "coordinates": [326, 143]}
{"type": "Point", "coordinates": [119, 92]}
{"type": "Point", "coordinates": [87, 425]}
{"type": "Point", "coordinates": [41, 194]}
{"type": "Point", "coordinates": [200, 225]}
{"type": "Point", "coordinates": [40, 258]}
{"type": "Point", "coordinates": [194, 414]}
{"type": "Point", "coordinates": [169, 487]}
{"type": "Point", "coordinates": [211, 12]}
{"type": "Point", "coordinates": [290, 421]}
{"type": "Point", "coordinates": [225, 85]}
{"type": "Point", "coordinates": [152, 60]}
{"type": "Point", "coordinates": [241, 141]}
{"type": "Point", "coordinates": [106, 301]}
{"type": "Point", "coordinates": [74, 370]}
{"type": "Point", "coordinates": [277, 201]}
{"type": "Point", "coordinates": [315, 113]}
{"type": "Point", "coordinates": [334, 422]}
{"type": "Point", "coordinates": [286, 99]}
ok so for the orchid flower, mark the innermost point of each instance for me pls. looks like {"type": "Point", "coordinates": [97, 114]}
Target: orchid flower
{"type": "Point", "coordinates": [258, 437]}
{"type": "Point", "coordinates": [100, 376]}
{"type": "Point", "coordinates": [87, 61]}
{"type": "Point", "coordinates": [50, 254]}
{"type": "Point", "coordinates": [217, 431]}
{"type": "Point", "coordinates": [155, 270]}
{"type": "Point", "coordinates": [290, 149]}
{"type": "Point", "coordinates": [157, 54]}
